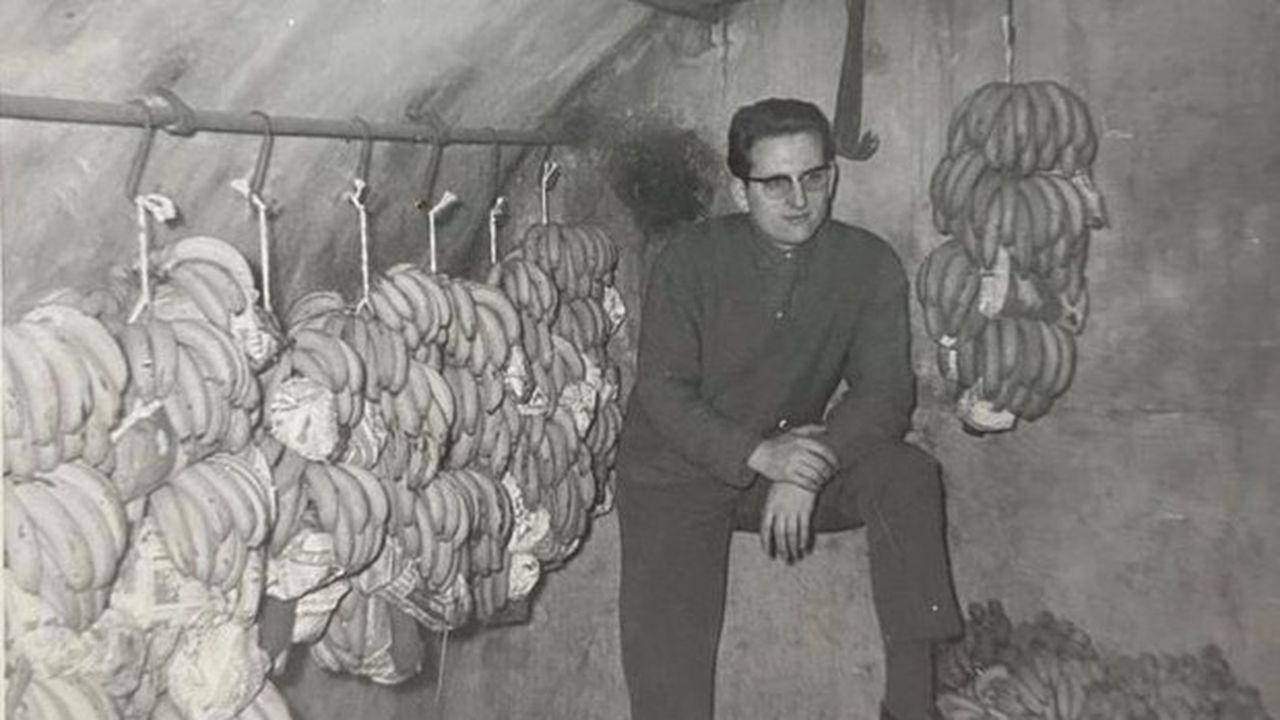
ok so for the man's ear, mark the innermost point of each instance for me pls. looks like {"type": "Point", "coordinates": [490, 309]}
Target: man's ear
{"type": "Point", "coordinates": [738, 188]}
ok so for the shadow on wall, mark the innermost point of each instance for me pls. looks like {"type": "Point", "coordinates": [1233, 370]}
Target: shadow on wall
{"type": "Point", "coordinates": [665, 174]}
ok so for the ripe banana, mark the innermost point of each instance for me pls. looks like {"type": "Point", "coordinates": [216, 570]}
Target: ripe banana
{"type": "Point", "coordinates": [96, 507]}
{"type": "Point", "coordinates": [21, 544]}
{"type": "Point", "coordinates": [216, 355]}
{"type": "Point", "coordinates": [59, 535]}
{"type": "Point", "coordinates": [323, 495]}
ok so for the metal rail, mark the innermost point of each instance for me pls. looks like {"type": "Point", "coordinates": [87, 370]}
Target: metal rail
{"type": "Point", "coordinates": [177, 118]}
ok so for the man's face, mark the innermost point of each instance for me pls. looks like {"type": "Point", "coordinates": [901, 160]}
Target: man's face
{"type": "Point", "coordinates": [787, 211]}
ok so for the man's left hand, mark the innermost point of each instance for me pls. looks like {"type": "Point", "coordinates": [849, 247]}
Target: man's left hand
{"type": "Point", "coordinates": [786, 521]}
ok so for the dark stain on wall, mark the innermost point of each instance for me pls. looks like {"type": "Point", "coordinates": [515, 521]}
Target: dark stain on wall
{"type": "Point", "coordinates": [665, 174]}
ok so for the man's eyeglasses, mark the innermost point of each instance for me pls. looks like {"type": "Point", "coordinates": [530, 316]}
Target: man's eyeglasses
{"type": "Point", "coordinates": [777, 187]}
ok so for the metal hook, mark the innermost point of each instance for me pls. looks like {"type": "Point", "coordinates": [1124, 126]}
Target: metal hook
{"type": "Point", "coordinates": [143, 152]}
{"type": "Point", "coordinates": [259, 176]}
{"type": "Point", "coordinates": [185, 122]}
{"type": "Point", "coordinates": [432, 173]}
{"type": "Point", "coordinates": [549, 169]}
{"type": "Point", "coordinates": [366, 151]}
{"type": "Point", "coordinates": [495, 164]}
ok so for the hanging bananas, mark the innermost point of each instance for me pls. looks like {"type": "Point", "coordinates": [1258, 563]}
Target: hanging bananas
{"type": "Point", "coordinates": [398, 428]}
{"type": "Point", "coordinates": [1005, 294]}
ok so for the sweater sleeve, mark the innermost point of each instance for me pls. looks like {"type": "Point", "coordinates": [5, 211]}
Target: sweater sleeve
{"type": "Point", "coordinates": [877, 368]}
{"type": "Point", "coordinates": [668, 379]}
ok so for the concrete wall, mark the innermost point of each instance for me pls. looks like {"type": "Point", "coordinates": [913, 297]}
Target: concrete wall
{"type": "Point", "coordinates": [1143, 507]}
{"type": "Point", "coordinates": [501, 63]}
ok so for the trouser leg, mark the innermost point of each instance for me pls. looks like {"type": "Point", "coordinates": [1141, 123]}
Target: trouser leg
{"type": "Point", "coordinates": [896, 492]}
{"type": "Point", "coordinates": [675, 550]}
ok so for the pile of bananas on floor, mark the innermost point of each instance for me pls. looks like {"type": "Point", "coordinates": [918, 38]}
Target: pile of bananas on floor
{"type": "Point", "coordinates": [175, 456]}
{"type": "Point", "coordinates": [1049, 669]}
{"type": "Point", "coordinates": [1005, 293]}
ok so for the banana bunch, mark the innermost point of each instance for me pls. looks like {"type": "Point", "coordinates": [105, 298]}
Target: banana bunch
{"type": "Point", "coordinates": [351, 504]}
{"type": "Point", "coordinates": [1041, 219]}
{"type": "Point", "coordinates": [210, 515]}
{"type": "Point", "coordinates": [547, 448]}
{"type": "Point", "coordinates": [566, 365]}
{"type": "Point", "coordinates": [1175, 686]}
{"type": "Point", "coordinates": [1005, 292]}
{"type": "Point", "coordinates": [583, 322]}
{"type": "Point", "coordinates": [570, 504]}
{"type": "Point", "coordinates": [1016, 364]}
{"type": "Point", "coordinates": [468, 516]}
{"type": "Point", "coordinates": [1049, 668]}
{"type": "Point", "coordinates": [65, 533]}
{"type": "Point", "coordinates": [474, 323]}
{"type": "Point", "coordinates": [212, 274]}
{"type": "Point", "coordinates": [315, 352]}
{"type": "Point", "coordinates": [64, 375]}
{"type": "Point", "coordinates": [602, 443]}
{"type": "Point", "coordinates": [580, 258]}
{"type": "Point", "coordinates": [202, 378]}
{"type": "Point", "coordinates": [485, 326]}
{"type": "Point", "coordinates": [471, 412]}
{"type": "Point", "coordinates": [287, 470]}
{"type": "Point", "coordinates": [414, 303]}
{"type": "Point", "coordinates": [497, 436]}
{"type": "Point", "coordinates": [1026, 127]}
{"type": "Point", "coordinates": [947, 288]}
{"type": "Point", "coordinates": [63, 697]}
{"type": "Point", "coordinates": [1045, 688]}
{"type": "Point", "coordinates": [529, 286]}
{"type": "Point", "coordinates": [580, 261]}
{"type": "Point", "coordinates": [536, 297]}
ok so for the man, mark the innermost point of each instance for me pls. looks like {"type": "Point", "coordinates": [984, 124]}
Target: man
{"type": "Point", "coordinates": [750, 322]}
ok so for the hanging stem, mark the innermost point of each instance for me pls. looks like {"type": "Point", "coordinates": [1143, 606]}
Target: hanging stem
{"type": "Point", "coordinates": [144, 256]}
{"type": "Point", "coordinates": [1007, 25]}
{"type": "Point", "coordinates": [550, 172]}
{"type": "Point", "coordinates": [499, 207]}
{"type": "Point", "coordinates": [357, 199]}
{"type": "Point", "coordinates": [446, 201]}
{"type": "Point", "coordinates": [150, 207]}
{"type": "Point", "coordinates": [264, 248]}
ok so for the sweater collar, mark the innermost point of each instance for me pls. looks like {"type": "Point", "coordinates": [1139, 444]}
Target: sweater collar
{"type": "Point", "coordinates": [767, 254]}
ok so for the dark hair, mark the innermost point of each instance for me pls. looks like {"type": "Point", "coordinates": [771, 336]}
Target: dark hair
{"type": "Point", "coordinates": [770, 118]}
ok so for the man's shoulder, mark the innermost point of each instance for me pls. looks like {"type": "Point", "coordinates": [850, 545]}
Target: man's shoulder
{"type": "Point", "coordinates": [851, 238]}
{"type": "Point", "coordinates": [859, 246]}
{"type": "Point", "coordinates": [695, 242]}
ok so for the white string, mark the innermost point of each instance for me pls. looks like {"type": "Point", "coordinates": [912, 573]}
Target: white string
{"type": "Point", "coordinates": [431, 231]}
{"type": "Point", "coordinates": [550, 171]}
{"type": "Point", "coordinates": [138, 414]}
{"type": "Point", "coordinates": [262, 207]}
{"type": "Point", "coordinates": [144, 258]}
{"type": "Point", "coordinates": [264, 248]}
{"type": "Point", "coordinates": [357, 199]}
{"type": "Point", "coordinates": [1007, 25]}
{"type": "Point", "coordinates": [446, 201]}
{"type": "Point", "coordinates": [150, 207]}
{"type": "Point", "coordinates": [499, 206]}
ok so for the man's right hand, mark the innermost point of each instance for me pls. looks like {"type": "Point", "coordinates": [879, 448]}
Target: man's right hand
{"type": "Point", "coordinates": [795, 457]}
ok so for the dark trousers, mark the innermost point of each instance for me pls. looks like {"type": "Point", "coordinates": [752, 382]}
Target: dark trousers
{"type": "Point", "coordinates": [675, 558]}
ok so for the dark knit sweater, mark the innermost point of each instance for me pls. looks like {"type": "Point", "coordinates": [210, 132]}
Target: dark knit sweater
{"type": "Point", "coordinates": [740, 340]}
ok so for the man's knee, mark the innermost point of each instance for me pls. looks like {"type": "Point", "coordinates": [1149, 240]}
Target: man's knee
{"type": "Point", "coordinates": [903, 472]}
